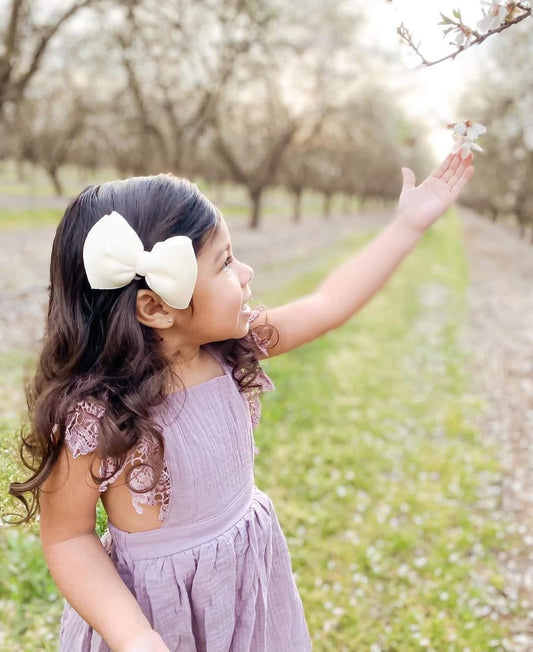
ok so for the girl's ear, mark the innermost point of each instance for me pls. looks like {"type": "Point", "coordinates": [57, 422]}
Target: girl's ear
{"type": "Point", "coordinates": [152, 311]}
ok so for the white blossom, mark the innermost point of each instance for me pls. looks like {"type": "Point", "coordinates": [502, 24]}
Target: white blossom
{"type": "Point", "coordinates": [469, 130]}
{"type": "Point", "coordinates": [493, 17]}
{"type": "Point", "coordinates": [464, 134]}
{"type": "Point", "coordinates": [464, 36]}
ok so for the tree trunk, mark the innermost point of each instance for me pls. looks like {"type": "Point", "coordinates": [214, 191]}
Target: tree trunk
{"type": "Point", "coordinates": [21, 170]}
{"type": "Point", "coordinates": [347, 204]}
{"type": "Point", "coordinates": [255, 199]}
{"type": "Point", "coordinates": [53, 173]}
{"type": "Point", "coordinates": [219, 192]}
{"type": "Point", "coordinates": [297, 206]}
{"type": "Point", "coordinates": [521, 218]}
{"type": "Point", "coordinates": [327, 205]}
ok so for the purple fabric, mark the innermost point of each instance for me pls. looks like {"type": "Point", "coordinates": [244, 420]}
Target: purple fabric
{"type": "Point", "coordinates": [216, 577]}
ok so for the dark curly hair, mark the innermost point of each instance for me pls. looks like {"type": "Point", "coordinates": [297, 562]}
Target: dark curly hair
{"type": "Point", "coordinates": [95, 348]}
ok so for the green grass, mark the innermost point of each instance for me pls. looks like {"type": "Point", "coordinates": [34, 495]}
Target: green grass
{"type": "Point", "coordinates": [34, 182]}
{"type": "Point", "coordinates": [383, 485]}
{"type": "Point", "coordinates": [233, 210]}
{"type": "Point", "coordinates": [29, 218]}
{"type": "Point", "coordinates": [276, 207]}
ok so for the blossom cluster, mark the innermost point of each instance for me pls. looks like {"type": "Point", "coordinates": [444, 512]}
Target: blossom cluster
{"type": "Point", "coordinates": [464, 134]}
{"type": "Point", "coordinates": [495, 14]}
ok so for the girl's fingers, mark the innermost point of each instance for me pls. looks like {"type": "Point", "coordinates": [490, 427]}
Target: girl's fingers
{"type": "Point", "coordinates": [451, 171]}
{"type": "Point", "coordinates": [451, 163]}
{"type": "Point", "coordinates": [454, 178]}
{"type": "Point", "coordinates": [457, 184]}
{"type": "Point", "coordinates": [443, 166]}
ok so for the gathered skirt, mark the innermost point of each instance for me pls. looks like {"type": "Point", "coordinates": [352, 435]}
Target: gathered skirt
{"type": "Point", "coordinates": [232, 593]}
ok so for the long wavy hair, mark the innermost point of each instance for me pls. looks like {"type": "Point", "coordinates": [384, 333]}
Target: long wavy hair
{"type": "Point", "coordinates": [95, 348]}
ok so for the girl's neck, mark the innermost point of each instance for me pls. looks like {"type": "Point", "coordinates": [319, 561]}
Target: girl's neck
{"type": "Point", "coordinates": [195, 369]}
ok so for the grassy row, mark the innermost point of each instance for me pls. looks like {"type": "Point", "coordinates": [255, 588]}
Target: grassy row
{"type": "Point", "coordinates": [384, 487]}
{"type": "Point", "coordinates": [277, 204]}
{"type": "Point", "coordinates": [386, 490]}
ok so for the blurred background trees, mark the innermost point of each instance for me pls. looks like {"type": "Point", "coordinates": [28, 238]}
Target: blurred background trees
{"type": "Point", "coordinates": [258, 93]}
{"type": "Point", "coordinates": [502, 98]}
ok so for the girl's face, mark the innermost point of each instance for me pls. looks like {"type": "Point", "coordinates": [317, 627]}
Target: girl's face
{"type": "Point", "coordinates": [221, 292]}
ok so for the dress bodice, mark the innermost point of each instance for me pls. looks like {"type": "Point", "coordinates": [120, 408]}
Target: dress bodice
{"type": "Point", "coordinates": [207, 431]}
{"type": "Point", "coordinates": [209, 448]}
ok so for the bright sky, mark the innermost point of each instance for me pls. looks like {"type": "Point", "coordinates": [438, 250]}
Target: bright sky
{"type": "Point", "coordinates": [430, 94]}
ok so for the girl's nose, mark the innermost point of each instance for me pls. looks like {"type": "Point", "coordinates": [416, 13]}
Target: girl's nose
{"type": "Point", "coordinates": [247, 274]}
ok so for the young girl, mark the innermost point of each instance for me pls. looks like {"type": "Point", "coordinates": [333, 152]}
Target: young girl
{"type": "Point", "coordinates": [145, 396]}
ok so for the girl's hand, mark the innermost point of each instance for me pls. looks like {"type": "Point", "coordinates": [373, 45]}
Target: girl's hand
{"type": "Point", "coordinates": [146, 640]}
{"type": "Point", "coordinates": [420, 206]}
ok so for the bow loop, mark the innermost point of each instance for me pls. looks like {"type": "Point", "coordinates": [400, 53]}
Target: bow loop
{"type": "Point", "coordinates": [113, 255]}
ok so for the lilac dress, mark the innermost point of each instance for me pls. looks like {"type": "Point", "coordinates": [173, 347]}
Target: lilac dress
{"type": "Point", "coordinates": [216, 576]}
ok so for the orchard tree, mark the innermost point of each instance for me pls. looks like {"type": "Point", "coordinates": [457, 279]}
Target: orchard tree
{"type": "Point", "coordinates": [30, 27]}
{"type": "Point", "coordinates": [45, 127]}
{"type": "Point", "coordinates": [271, 115]}
{"type": "Point", "coordinates": [356, 151]}
{"type": "Point", "coordinates": [298, 171]}
{"type": "Point", "coordinates": [251, 134]}
{"type": "Point", "coordinates": [177, 58]}
{"type": "Point", "coordinates": [503, 100]}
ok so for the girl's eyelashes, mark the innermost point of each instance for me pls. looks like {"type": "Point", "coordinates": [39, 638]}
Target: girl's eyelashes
{"type": "Point", "coordinates": [227, 262]}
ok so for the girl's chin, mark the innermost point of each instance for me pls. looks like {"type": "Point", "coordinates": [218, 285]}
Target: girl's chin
{"type": "Point", "coordinates": [244, 325]}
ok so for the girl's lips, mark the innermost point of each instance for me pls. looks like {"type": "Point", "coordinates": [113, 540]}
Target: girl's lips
{"type": "Point", "coordinates": [245, 306]}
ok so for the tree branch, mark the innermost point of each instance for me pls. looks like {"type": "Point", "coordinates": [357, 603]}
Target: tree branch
{"type": "Point", "coordinates": [225, 152]}
{"type": "Point", "coordinates": [407, 36]}
{"type": "Point", "coordinates": [14, 91]}
{"type": "Point", "coordinates": [268, 166]}
{"type": "Point", "coordinates": [10, 43]}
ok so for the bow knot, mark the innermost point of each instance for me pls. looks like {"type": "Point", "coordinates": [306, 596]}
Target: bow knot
{"type": "Point", "coordinates": [142, 263]}
{"type": "Point", "coordinates": [113, 255]}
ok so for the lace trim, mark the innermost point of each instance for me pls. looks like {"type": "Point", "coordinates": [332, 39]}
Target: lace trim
{"type": "Point", "coordinates": [82, 428]}
{"type": "Point", "coordinates": [142, 476]}
{"type": "Point", "coordinates": [81, 436]}
{"type": "Point", "coordinates": [264, 383]}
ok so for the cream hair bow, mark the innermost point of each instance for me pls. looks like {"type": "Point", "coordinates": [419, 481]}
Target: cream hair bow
{"type": "Point", "coordinates": [113, 255]}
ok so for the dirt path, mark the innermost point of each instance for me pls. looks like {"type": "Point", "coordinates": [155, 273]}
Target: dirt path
{"type": "Point", "coordinates": [500, 336]}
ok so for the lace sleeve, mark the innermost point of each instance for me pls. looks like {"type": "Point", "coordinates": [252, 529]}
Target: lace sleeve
{"type": "Point", "coordinates": [83, 425]}
{"type": "Point", "coordinates": [81, 437]}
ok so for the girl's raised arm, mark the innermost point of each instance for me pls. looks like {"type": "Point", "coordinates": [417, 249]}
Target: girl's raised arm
{"type": "Point", "coordinates": [79, 564]}
{"type": "Point", "coordinates": [348, 288]}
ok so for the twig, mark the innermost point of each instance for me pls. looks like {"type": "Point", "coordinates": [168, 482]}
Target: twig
{"type": "Point", "coordinates": [407, 36]}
